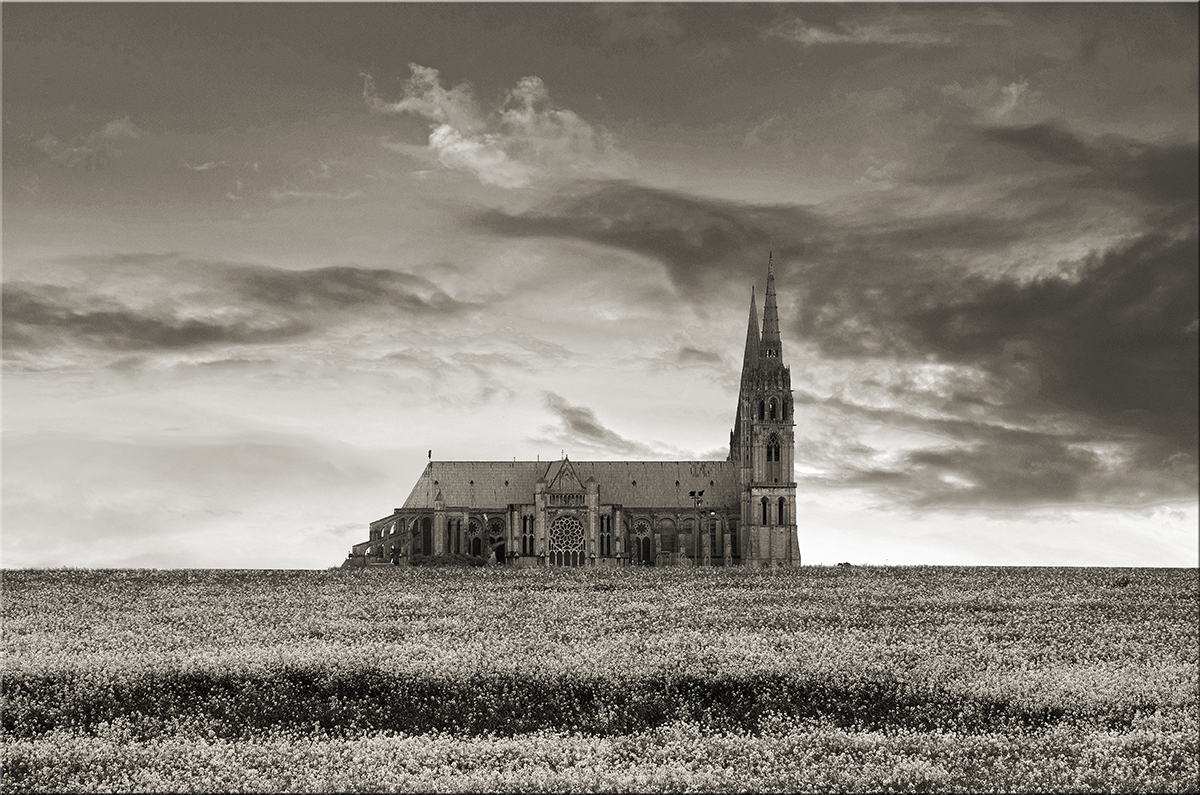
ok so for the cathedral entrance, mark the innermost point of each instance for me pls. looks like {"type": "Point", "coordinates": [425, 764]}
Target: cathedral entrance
{"type": "Point", "coordinates": [566, 542]}
{"type": "Point", "coordinates": [643, 555]}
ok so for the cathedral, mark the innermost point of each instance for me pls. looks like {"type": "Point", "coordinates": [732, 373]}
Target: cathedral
{"type": "Point", "coordinates": [736, 512]}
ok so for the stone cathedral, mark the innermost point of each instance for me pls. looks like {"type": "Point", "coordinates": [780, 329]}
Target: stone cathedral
{"type": "Point", "coordinates": [736, 512]}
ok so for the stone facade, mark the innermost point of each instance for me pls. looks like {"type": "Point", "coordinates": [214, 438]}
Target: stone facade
{"type": "Point", "coordinates": [741, 511]}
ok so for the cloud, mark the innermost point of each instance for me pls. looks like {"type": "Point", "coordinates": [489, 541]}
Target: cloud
{"type": "Point", "coordinates": [526, 139]}
{"type": "Point", "coordinates": [39, 316]}
{"type": "Point", "coordinates": [580, 426]}
{"type": "Point", "coordinates": [1062, 355]}
{"type": "Point", "coordinates": [796, 30]}
{"type": "Point", "coordinates": [1162, 174]}
{"type": "Point", "coordinates": [280, 194]}
{"type": "Point", "coordinates": [994, 101]}
{"type": "Point", "coordinates": [983, 459]}
{"type": "Point", "coordinates": [207, 166]}
{"type": "Point", "coordinates": [697, 239]}
{"type": "Point", "coordinates": [161, 302]}
{"type": "Point", "coordinates": [689, 355]}
{"type": "Point", "coordinates": [92, 151]}
{"type": "Point", "coordinates": [1115, 343]}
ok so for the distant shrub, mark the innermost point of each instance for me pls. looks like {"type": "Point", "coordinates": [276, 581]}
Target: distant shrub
{"type": "Point", "coordinates": [447, 560]}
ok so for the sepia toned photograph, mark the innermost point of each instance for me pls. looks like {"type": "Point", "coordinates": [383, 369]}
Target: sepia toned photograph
{"type": "Point", "coordinates": [600, 397]}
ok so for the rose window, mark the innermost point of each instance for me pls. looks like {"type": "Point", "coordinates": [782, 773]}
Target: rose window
{"type": "Point", "coordinates": [566, 534]}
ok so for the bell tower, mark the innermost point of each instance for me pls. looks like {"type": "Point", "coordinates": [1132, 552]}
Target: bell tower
{"type": "Point", "coordinates": [763, 442]}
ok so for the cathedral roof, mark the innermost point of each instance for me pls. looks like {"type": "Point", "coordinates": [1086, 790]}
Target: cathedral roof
{"type": "Point", "coordinates": [497, 484]}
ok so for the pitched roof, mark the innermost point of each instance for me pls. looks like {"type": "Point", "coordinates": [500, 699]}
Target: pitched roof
{"type": "Point", "coordinates": [561, 477]}
{"type": "Point", "coordinates": [497, 484]}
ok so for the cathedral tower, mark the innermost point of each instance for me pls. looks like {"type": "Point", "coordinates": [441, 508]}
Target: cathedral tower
{"type": "Point", "coordinates": [763, 442]}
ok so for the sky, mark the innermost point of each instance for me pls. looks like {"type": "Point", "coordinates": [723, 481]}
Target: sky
{"type": "Point", "coordinates": [261, 261]}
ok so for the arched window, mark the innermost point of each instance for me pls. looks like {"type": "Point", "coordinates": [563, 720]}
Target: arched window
{"type": "Point", "coordinates": [668, 535]}
{"type": "Point", "coordinates": [714, 537]}
{"type": "Point", "coordinates": [772, 408]}
{"type": "Point", "coordinates": [427, 535]}
{"type": "Point", "coordinates": [526, 535]}
{"type": "Point", "coordinates": [474, 532]}
{"type": "Point", "coordinates": [760, 409]}
{"type": "Point", "coordinates": [766, 514]}
{"type": "Point", "coordinates": [782, 511]}
{"type": "Point", "coordinates": [605, 536]}
{"type": "Point", "coordinates": [641, 544]}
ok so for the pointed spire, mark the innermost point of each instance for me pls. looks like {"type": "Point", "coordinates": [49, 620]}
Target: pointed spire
{"type": "Point", "coordinates": [770, 347]}
{"type": "Point", "coordinates": [750, 359]}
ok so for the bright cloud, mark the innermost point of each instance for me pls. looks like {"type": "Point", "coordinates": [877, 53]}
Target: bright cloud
{"type": "Point", "coordinates": [524, 140]}
{"type": "Point", "coordinates": [811, 35]}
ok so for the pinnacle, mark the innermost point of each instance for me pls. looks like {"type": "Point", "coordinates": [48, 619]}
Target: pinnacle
{"type": "Point", "coordinates": [771, 346]}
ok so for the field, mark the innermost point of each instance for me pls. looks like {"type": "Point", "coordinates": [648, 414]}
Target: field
{"type": "Point", "coordinates": [396, 679]}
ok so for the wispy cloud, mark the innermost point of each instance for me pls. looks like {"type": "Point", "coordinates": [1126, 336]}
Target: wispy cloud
{"type": "Point", "coordinates": [282, 194]}
{"type": "Point", "coordinates": [163, 302]}
{"type": "Point", "coordinates": [579, 427]}
{"type": "Point", "coordinates": [806, 35]}
{"type": "Point", "coordinates": [206, 166]}
{"type": "Point", "coordinates": [527, 138]}
{"type": "Point", "coordinates": [43, 316]}
{"type": "Point", "coordinates": [696, 238]}
{"type": "Point", "coordinates": [91, 151]}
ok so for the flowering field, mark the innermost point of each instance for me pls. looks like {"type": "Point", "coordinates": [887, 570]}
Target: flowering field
{"type": "Point", "coordinates": [397, 679]}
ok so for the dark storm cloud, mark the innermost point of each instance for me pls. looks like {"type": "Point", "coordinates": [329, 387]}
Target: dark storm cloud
{"type": "Point", "coordinates": [581, 426]}
{"type": "Point", "coordinates": [695, 238]}
{"type": "Point", "coordinates": [171, 303]}
{"type": "Point", "coordinates": [990, 463]}
{"type": "Point", "coordinates": [1159, 174]}
{"type": "Point", "coordinates": [1116, 339]}
{"type": "Point", "coordinates": [1022, 469]}
{"type": "Point", "coordinates": [1113, 342]}
{"type": "Point", "coordinates": [1120, 343]}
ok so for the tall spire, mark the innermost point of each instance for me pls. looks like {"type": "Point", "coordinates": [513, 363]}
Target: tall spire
{"type": "Point", "coordinates": [771, 347]}
{"type": "Point", "coordinates": [750, 359]}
